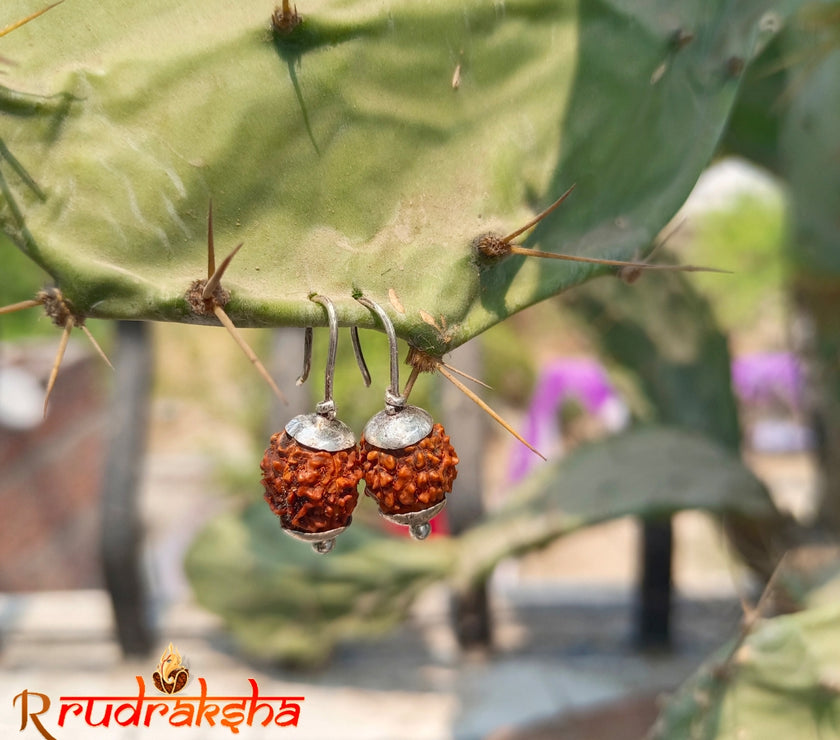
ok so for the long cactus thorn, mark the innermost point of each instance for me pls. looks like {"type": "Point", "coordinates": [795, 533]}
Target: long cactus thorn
{"type": "Point", "coordinates": [466, 375]}
{"type": "Point", "coordinates": [515, 249]}
{"type": "Point", "coordinates": [11, 308]}
{"type": "Point", "coordinates": [492, 247]}
{"type": "Point", "coordinates": [211, 249]}
{"type": "Point", "coordinates": [409, 384]}
{"type": "Point", "coordinates": [57, 308]}
{"type": "Point", "coordinates": [484, 407]}
{"type": "Point", "coordinates": [62, 347]}
{"type": "Point", "coordinates": [534, 221]}
{"type": "Point", "coordinates": [208, 297]}
{"type": "Point", "coordinates": [426, 363]}
{"type": "Point", "coordinates": [31, 17]}
{"type": "Point", "coordinates": [215, 280]}
{"type": "Point", "coordinates": [224, 319]}
{"type": "Point", "coordinates": [96, 345]}
{"type": "Point", "coordinates": [631, 274]}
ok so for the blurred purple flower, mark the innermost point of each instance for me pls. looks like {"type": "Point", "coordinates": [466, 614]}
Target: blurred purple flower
{"type": "Point", "coordinates": [767, 377]}
{"type": "Point", "coordinates": [579, 378]}
{"type": "Point", "coordinates": [757, 378]}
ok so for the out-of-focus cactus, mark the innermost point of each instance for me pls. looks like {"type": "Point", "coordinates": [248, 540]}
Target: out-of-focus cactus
{"type": "Point", "coordinates": [364, 148]}
{"type": "Point", "coordinates": [782, 681]}
{"type": "Point", "coordinates": [284, 601]}
{"type": "Point", "coordinates": [808, 135]}
{"type": "Point", "coordinates": [647, 472]}
{"type": "Point", "coordinates": [664, 338]}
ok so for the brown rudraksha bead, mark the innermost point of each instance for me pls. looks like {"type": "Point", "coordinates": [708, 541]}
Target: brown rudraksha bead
{"type": "Point", "coordinates": [310, 490]}
{"type": "Point", "coordinates": [411, 479]}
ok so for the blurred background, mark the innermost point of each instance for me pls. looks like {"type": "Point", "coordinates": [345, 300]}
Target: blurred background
{"type": "Point", "coordinates": [117, 542]}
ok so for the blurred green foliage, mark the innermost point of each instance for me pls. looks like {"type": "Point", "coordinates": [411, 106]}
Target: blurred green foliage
{"type": "Point", "coordinates": [21, 279]}
{"type": "Point", "coordinates": [747, 237]}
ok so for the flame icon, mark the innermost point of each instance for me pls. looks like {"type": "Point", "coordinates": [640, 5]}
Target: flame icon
{"type": "Point", "coordinates": [171, 674]}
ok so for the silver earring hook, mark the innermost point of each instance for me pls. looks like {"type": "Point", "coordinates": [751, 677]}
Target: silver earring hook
{"type": "Point", "coordinates": [360, 358]}
{"type": "Point", "coordinates": [327, 407]}
{"type": "Point", "coordinates": [307, 356]}
{"type": "Point", "coordinates": [357, 351]}
{"type": "Point", "coordinates": [393, 399]}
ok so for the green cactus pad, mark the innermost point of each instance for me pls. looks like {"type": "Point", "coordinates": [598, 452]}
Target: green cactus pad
{"type": "Point", "coordinates": [362, 151]}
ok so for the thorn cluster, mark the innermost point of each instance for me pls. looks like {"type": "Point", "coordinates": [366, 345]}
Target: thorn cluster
{"type": "Point", "coordinates": [422, 362]}
{"type": "Point", "coordinates": [60, 311]}
{"type": "Point", "coordinates": [492, 247]}
{"type": "Point", "coordinates": [208, 297]}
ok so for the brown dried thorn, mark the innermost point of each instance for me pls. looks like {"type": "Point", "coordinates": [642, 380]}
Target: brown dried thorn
{"type": "Point", "coordinates": [484, 407]}
{"type": "Point", "coordinates": [409, 384]}
{"type": "Point", "coordinates": [23, 21]}
{"type": "Point", "coordinates": [516, 249]}
{"type": "Point", "coordinates": [62, 347]}
{"type": "Point", "coordinates": [96, 345]}
{"type": "Point", "coordinates": [534, 221]}
{"type": "Point", "coordinates": [491, 246]}
{"type": "Point", "coordinates": [465, 375]}
{"type": "Point", "coordinates": [211, 250]}
{"type": "Point", "coordinates": [19, 306]}
{"type": "Point", "coordinates": [216, 278]}
{"type": "Point", "coordinates": [244, 346]}
{"type": "Point", "coordinates": [208, 296]}
{"type": "Point", "coordinates": [630, 274]}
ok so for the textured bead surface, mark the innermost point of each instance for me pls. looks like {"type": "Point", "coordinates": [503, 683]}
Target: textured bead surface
{"type": "Point", "coordinates": [412, 479]}
{"type": "Point", "coordinates": [310, 490]}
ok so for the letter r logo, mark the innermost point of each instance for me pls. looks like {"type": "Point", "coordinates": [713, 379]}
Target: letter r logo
{"type": "Point", "coordinates": [26, 714]}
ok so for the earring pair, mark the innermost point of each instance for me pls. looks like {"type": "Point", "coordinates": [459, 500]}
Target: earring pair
{"type": "Point", "coordinates": [311, 470]}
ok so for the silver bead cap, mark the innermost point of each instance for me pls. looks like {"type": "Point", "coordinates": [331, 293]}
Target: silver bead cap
{"type": "Point", "coordinates": [395, 429]}
{"type": "Point", "coordinates": [417, 521]}
{"type": "Point", "coordinates": [322, 542]}
{"type": "Point", "coordinates": [320, 432]}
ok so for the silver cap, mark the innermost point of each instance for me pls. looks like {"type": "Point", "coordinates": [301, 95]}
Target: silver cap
{"type": "Point", "coordinates": [396, 429]}
{"type": "Point", "coordinates": [321, 432]}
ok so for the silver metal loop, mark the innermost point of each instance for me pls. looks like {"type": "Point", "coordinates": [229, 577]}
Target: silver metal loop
{"type": "Point", "coordinates": [326, 408]}
{"type": "Point", "coordinates": [393, 392]}
{"type": "Point", "coordinates": [329, 374]}
{"type": "Point", "coordinates": [360, 358]}
{"type": "Point", "coordinates": [393, 403]}
{"type": "Point", "coordinates": [307, 356]}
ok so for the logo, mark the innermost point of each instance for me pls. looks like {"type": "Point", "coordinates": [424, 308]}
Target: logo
{"type": "Point", "coordinates": [171, 675]}
{"type": "Point", "coordinates": [40, 714]}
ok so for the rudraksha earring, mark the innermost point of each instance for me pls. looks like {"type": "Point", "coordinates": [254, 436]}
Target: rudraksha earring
{"type": "Point", "coordinates": [311, 469]}
{"type": "Point", "coordinates": [407, 460]}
